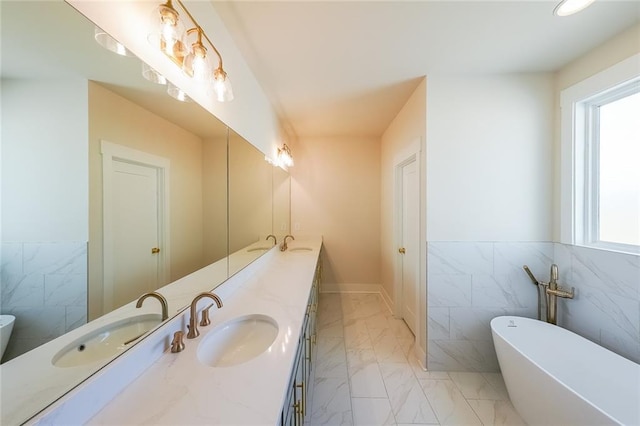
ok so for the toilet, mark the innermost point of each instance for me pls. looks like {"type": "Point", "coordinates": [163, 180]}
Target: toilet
{"type": "Point", "coordinates": [6, 326]}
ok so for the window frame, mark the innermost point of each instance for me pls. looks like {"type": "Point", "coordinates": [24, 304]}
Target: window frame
{"type": "Point", "coordinates": [579, 170]}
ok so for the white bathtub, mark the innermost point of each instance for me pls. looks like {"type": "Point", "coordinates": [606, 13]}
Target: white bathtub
{"type": "Point", "coordinates": [555, 377]}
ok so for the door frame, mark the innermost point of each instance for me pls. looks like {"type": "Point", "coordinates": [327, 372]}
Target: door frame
{"type": "Point", "coordinates": [412, 152]}
{"type": "Point", "coordinates": [113, 152]}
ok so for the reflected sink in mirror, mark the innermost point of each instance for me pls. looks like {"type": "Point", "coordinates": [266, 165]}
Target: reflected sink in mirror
{"type": "Point", "coordinates": [237, 341]}
{"type": "Point", "coordinates": [300, 249]}
{"type": "Point", "coordinates": [258, 249]}
{"type": "Point", "coordinates": [106, 341]}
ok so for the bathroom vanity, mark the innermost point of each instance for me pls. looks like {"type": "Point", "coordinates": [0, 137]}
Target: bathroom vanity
{"type": "Point", "coordinates": [267, 385]}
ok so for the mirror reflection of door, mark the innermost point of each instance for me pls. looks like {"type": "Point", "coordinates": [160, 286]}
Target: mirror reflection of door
{"type": "Point", "coordinates": [135, 228]}
{"type": "Point", "coordinates": [410, 208]}
{"type": "Point", "coordinates": [135, 231]}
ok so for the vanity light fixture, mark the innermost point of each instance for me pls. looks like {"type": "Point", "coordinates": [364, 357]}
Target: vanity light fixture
{"type": "Point", "coordinates": [177, 93]}
{"type": "Point", "coordinates": [152, 75]}
{"type": "Point", "coordinates": [284, 156]}
{"type": "Point", "coordinates": [110, 43]}
{"type": "Point", "coordinates": [569, 7]}
{"type": "Point", "coordinates": [168, 35]}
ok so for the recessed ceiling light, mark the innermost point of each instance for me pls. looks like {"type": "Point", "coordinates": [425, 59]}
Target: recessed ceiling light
{"type": "Point", "coordinates": [569, 7]}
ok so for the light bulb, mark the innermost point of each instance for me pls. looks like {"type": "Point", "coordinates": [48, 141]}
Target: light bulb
{"type": "Point", "coordinates": [569, 7]}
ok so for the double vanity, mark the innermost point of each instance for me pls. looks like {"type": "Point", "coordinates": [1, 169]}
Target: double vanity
{"type": "Point", "coordinates": [250, 365]}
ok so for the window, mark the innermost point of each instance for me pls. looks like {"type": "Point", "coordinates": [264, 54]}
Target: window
{"type": "Point", "coordinates": [601, 160]}
{"type": "Point", "coordinates": [614, 156]}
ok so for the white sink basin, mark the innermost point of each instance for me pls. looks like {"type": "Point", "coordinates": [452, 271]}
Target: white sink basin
{"type": "Point", "coordinates": [300, 249]}
{"type": "Point", "coordinates": [258, 249]}
{"type": "Point", "coordinates": [106, 341]}
{"type": "Point", "coordinates": [237, 341]}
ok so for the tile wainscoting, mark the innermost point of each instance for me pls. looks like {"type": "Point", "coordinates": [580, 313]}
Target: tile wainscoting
{"type": "Point", "coordinates": [469, 283]}
{"type": "Point", "coordinates": [44, 285]}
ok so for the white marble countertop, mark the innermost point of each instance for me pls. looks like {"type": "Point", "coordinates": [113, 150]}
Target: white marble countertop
{"type": "Point", "coordinates": [31, 382]}
{"type": "Point", "coordinates": [178, 389]}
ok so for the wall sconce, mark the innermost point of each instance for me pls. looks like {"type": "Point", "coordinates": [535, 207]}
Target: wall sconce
{"type": "Point", "coordinates": [569, 7]}
{"type": "Point", "coordinates": [284, 156]}
{"type": "Point", "coordinates": [168, 35]}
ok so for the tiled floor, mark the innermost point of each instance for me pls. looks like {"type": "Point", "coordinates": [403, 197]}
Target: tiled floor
{"type": "Point", "coordinates": [366, 374]}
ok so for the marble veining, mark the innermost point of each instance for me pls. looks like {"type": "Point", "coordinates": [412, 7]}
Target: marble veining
{"type": "Point", "coordinates": [471, 282]}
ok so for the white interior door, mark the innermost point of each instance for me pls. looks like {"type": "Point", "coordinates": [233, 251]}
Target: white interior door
{"type": "Point", "coordinates": [135, 213]}
{"type": "Point", "coordinates": [410, 210]}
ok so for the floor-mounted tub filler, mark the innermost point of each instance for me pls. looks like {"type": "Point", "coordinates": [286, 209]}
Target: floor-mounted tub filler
{"type": "Point", "coordinates": [555, 377]}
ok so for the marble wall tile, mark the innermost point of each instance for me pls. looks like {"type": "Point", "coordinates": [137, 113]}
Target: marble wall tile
{"type": "Point", "coordinates": [503, 291]}
{"type": "Point", "coordinates": [438, 323]}
{"type": "Point", "coordinates": [45, 286]}
{"type": "Point", "coordinates": [462, 355]}
{"type": "Point", "coordinates": [606, 306]}
{"type": "Point", "coordinates": [449, 290]}
{"type": "Point", "coordinates": [509, 257]}
{"type": "Point", "coordinates": [460, 258]}
{"type": "Point", "coordinates": [55, 258]}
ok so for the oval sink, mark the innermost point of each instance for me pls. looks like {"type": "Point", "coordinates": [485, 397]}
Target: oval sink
{"type": "Point", "coordinates": [300, 249]}
{"type": "Point", "coordinates": [237, 341]}
{"type": "Point", "coordinates": [106, 341]}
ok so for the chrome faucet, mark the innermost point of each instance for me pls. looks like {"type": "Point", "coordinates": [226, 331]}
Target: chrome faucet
{"type": "Point", "coordinates": [275, 240]}
{"type": "Point", "coordinates": [284, 245]}
{"type": "Point", "coordinates": [161, 299]}
{"type": "Point", "coordinates": [193, 321]}
{"type": "Point", "coordinates": [553, 292]}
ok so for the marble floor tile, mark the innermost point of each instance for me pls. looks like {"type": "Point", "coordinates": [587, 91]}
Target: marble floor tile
{"type": "Point", "coordinates": [448, 403]}
{"type": "Point", "coordinates": [474, 385]}
{"type": "Point", "coordinates": [407, 400]}
{"type": "Point", "coordinates": [497, 381]}
{"type": "Point", "coordinates": [331, 358]}
{"type": "Point", "coordinates": [372, 412]}
{"type": "Point", "coordinates": [364, 375]}
{"type": "Point", "coordinates": [331, 402]}
{"type": "Point", "coordinates": [496, 412]}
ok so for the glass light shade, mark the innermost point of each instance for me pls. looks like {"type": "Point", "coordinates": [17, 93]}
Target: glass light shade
{"type": "Point", "coordinates": [569, 7]}
{"type": "Point", "coordinates": [152, 75]}
{"type": "Point", "coordinates": [284, 156]}
{"type": "Point", "coordinates": [222, 89]}
{"type": "Point", "coordinates": [177, 93]}
{"type": "Point", "coordinates": [110, 43]}
{"type": "Point", "coordinates": [197, 64]}
{"type": "Point", "coordinates": [167, 31]}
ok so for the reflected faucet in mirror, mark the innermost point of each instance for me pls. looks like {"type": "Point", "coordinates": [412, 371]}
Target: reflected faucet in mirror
{"type": "Point", "coordinates": [284, 246]}
{"type": "Point", "coordinates": [193, 321]}
{"type": "Point", "coordinates": [161, 299]}
{"type": "Point", "coordinates": [275, 240]}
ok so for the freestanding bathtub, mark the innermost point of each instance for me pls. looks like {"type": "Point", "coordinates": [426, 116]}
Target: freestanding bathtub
{"type": "Point", "coordinates": [555, 377]}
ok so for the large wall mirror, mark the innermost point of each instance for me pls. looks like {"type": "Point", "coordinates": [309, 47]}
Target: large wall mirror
{"type": "Point", "coordinates": [84, 137]}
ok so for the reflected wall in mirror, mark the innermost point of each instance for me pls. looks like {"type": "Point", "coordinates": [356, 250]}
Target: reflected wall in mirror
{"type": "Point", "coordinates": [63, 95]}
{"type": "Point", "coordinates": [281, 203]}
{"type": "Point", "coordinates": [250, 203]}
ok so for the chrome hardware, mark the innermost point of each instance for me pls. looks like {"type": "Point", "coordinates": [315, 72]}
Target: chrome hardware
{"type": "Point", "coordinates": [161, 299]}
{"type": "Point", "coordinates": [177, 345]}
{"type": "Point", "coordinates": [284, 246]}
{"type": "Point", "coordinates": [193, 321]}
{"type": "Point", "coordinates": [155, 250]}
{"type": "Point", "coordinates": [275, 240]}
{"type": "Point", "coordinates": [401, 250]}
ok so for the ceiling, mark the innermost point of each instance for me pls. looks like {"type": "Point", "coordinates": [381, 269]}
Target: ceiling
{"type": "Point", "coordinates": [347, 68]}
{"type": "Point", "coordinates": [60, 43]}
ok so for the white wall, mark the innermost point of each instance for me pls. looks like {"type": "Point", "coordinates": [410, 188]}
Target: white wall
{"type": "Point", "coordinates": [45, 194]}
{"type": "Point", "coordinates": [335, 192]}
{"type": "Point", "coordinates": [489, 150]}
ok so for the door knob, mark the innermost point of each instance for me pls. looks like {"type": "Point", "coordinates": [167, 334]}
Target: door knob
{"type": "Point", "coordinates": [155, 250]}
{"type": "Point", "coordinates": [401, 250]}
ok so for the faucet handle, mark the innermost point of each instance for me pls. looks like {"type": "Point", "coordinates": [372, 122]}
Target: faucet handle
{"type": "Point", "coordinates": [205, 316]}
{"type": "Point", "coordinates": [177, 345]}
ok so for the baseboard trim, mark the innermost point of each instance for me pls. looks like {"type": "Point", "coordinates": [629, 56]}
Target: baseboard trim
{"type": "Point", "coordinates": [387, 299]}
{"type": "Point", "coordinates": [350, 288]}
